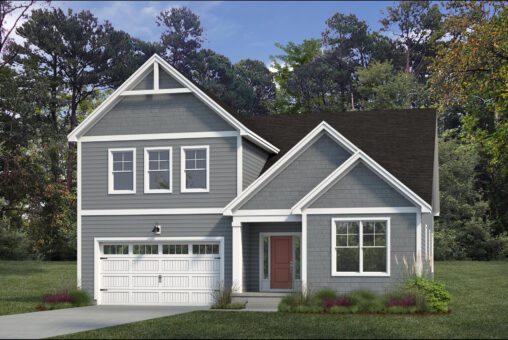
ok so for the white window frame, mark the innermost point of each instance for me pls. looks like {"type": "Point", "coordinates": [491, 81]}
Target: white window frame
{"type": "Point", "coordinates": [183, 178]}
{"type": "Point", "coordinates": [334, 271]}
{"type": "Point", "coordinates": [111, 190]}
{"type": "Point", "coordinates": [147, 170]}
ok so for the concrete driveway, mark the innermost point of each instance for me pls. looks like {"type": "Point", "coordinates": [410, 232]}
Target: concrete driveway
{"type": "Point", "coordinates": [64, 321]}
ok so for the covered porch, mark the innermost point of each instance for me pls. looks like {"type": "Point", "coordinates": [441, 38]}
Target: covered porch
{"type": "Point", "coordinates": [267, 255]}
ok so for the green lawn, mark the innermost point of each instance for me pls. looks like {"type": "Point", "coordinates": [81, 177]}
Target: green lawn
{"type": "Point", "coordinates": [23, 283]}
{"type": "Point", "coordinates": [479, 310]}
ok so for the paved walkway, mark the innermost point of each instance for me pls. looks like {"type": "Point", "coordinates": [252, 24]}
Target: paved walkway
{"type": "Point", "coordinates": [65, 321]}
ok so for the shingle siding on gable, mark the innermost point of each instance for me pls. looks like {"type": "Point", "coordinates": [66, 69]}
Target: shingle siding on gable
{"type": "Point", "coordinates": [94, 176]}
{"type": "Point", "coordinates": [159, 114]}
{"type": "Point", "coordinates": [303, 174]}
{"type": "Point", "coordinates": [166, 81]}
{"type": "Point", "coordinates": [146, 83]}
{"type": "Point", "coordinates": [361, 188]}
{"type": "Point", "coordinates": [254, 159]}
{"type": "Point", "coordinates": [141, 226]}
{"type": "Point", "coordinates": [403, 245]}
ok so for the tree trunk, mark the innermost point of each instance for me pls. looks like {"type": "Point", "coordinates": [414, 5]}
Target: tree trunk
{"type": "Point", "coordinates": [408, 59]}
{"type": "Point", "coordinates": [70, 151]}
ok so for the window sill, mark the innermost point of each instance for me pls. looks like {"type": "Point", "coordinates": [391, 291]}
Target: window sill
{"type": "Point", "coordinates": [190, 191]}
{"type": "Point", "coordinates": [161, 191]}
{"type": "Point", "coordinates": [355, 274]}
{"type": "Point", "coordinates": [121, 193]}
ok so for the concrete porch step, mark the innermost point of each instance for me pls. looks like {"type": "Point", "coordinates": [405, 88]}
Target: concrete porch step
{"type": "Point", "coordinates": [259, 300]}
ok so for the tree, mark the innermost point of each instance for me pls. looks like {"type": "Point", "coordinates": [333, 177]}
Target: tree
{"type": "Point", "coordinates": [416, 22]}
{"type": "Point", "coordinates": [294, 56]}
{"type": "Point", "coordinates": [19, 11]}
{"type": "Point", "coordinates": [73, 55]}
{"type": "Point", "coordinates": [260, 80]}
{"type": "Point", "coordinates": [381, 87]}
{"type": "Point", "coordinates": [463, 229]}
{"type": "Point", "coordinates": [470, 74]}
{"type": "Point", "coordinates": [181, 38]}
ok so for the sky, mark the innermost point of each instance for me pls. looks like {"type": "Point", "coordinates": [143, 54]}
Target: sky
{"type": "Point", "coordinates": [239, 30]}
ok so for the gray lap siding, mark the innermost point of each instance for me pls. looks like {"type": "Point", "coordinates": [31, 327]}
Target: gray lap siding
{"type": "Point", "coordinates": [402, 244]}
{"type": "Point", "coordinates": [159, 114]}
{"type": "Point", "coordinates": [141, 226]}
{"type": "Point", "coordinates": [223, 155]}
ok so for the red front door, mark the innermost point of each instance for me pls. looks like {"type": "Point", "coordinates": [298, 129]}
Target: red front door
{"type": "Point", "coordinates": [281, 254]}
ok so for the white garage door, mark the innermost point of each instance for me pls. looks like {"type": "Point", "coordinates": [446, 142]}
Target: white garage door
{"type": "Point", "coordinates": [164, 273]}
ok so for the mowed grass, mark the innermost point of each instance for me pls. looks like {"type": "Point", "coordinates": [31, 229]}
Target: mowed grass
{"type": "Point", "coordinates": [479, 310]}
{"type": "Point", "coordinates": [23, 283]}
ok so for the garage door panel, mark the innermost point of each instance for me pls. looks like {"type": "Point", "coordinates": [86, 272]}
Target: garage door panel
{"type": "Point", "coordinates": [145, 281]}
{"type": "Point", "coordinates": [205, 282]}
{"type": "Point", "coordinates": [175, 265]}
{"type": "Point", "coordinates": [175, 281]}
{"type": "Point", "coordinates": [143, 265]}
{"type": "Point", "coordinates": [145, 298]}
{"type": "Point", "coordinates": [115, 265]}
{"type": "Point", "coordinates": [205, 265]}
{"type": "Point", "coordinates": [115, 281]}
{"type": "Point", "coordinates": [201, 298]}
{"type": "Point", "coordinates": [175, 298]}
{"type": "Point", "coordinates": [115, 298]}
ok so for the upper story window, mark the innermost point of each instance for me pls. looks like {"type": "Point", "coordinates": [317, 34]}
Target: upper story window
{"type": "Point", "coordinates": [158, 174]}
{"type": "Point", "coordinates": [195, 169]}
{"type": "Point", "coordinates": [361, 247]}
{"type": "Point", "coordinates": [122, 171]}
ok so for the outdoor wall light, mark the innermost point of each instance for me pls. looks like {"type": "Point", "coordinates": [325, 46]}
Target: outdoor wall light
{"type": "Point", "coordinates": [157, 229]}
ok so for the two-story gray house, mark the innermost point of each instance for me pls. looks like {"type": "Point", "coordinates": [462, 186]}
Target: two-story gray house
{"type": "Point", "coordinates": [176, 195]}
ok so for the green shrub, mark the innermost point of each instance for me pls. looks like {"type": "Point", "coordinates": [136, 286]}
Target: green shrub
{"type": "Point", "coordinates": [223, 296]}
{"type": "Point", "coordinates": [436, 295]}
{"type": "Point", "coordinates": [14, 245]}
{"type": "Point", "coordinates": [284, 307]}
{"type": "Point", "coordinates": [299, 298]}
{"type": "Point", "coordinates": [366, 301]}
{"type": "Point", "coordinates": [325, 294]}
{"type": "Point", "coordinates": [80, 298]}
{"type": "Point", "coordinates": [340, 310]}
{"type": "Point", "coordinates": [230, 306]}
{"type": "Point", "coordinates": [60, 305]}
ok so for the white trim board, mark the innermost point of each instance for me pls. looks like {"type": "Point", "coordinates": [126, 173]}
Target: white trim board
{"type": "Point", "coordinates": [95, 116]}
{"type": "Point", "coordinates": [284, 161]}
{"type": "Point", "coordinates": [343, 170]}
{"type": "Point", "coordinates": [374, 210]}
{"type": "Point", "coordinates": [133, 212]}
{"type": "Point", "coordinates": [159, 136]}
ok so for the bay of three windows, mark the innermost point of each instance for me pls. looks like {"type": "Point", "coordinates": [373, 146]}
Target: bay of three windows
{"type": "Point", "coordinates": [158, 165]}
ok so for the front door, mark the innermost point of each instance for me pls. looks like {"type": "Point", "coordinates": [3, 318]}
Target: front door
{"type": "Point", "coordinates": [281, 255]}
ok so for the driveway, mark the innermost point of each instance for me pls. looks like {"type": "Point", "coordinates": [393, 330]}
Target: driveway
{"type": "Point", "coordinates": [64, 321]}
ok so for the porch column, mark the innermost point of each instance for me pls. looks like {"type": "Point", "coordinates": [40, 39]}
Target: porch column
{"type": "Point", "coordinates": [237, 257]}
{"type": "Point", "coordinates": [304, 252]}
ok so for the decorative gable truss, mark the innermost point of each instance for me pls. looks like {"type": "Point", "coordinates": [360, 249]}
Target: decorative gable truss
{"type": "Point", "coordinates": [233, 208]}
{"type": "Point", "coordinates": [154, 67]}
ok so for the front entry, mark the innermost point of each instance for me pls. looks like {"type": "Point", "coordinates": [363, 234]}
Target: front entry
{"type": "Point", "coordinates": [281, 273]}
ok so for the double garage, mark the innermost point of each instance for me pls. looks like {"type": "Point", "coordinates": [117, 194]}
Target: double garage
{"type": "Point", "coordinates": [158, 271]}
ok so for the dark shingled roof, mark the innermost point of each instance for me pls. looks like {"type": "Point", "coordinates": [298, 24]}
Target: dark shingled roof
{"type": "Point", "coordinates": [402, 141]}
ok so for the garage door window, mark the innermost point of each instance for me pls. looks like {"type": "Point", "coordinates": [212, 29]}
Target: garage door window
{"type": "Point", "coordinates": [116, 249]}
{"type": "Point", "coordinates": [205, 249]}
{"type": "Point", "coordinates": [175, 249]}
{"type": "Point", "coordinates": [146, 249]}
